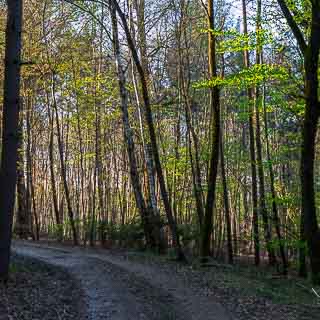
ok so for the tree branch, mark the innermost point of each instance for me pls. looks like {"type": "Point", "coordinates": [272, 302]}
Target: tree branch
{"type": "Point", "coordinates": [293, 25]}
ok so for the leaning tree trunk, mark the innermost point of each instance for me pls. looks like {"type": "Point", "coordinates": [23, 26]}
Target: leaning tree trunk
{"type": "Point", "coordinates": [154, 213]}
{"type": "Point", "coordinates": [128, 136]}
{"type": "Point", "coordinates": [10, 131]}
{"type": "Point", "coordinates": [152, 134]}
{"type": "Point", "coordinates": [140, 9]}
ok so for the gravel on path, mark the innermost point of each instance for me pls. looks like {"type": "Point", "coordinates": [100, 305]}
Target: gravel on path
{"type": "Point", "coordinates": [119, 289]}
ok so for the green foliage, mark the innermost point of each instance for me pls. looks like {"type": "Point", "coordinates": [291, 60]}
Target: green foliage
{"type": "Point", "coordinates": [301, 10]}
{"type": "Point", "coordinates": [56, 231]}
{"type": "Point", "coordinates": [284, 200]}
{"type": "Point", "coordinates": [188, 233]}
{"type": "Point", "coordinates": [233, 41]}
{"type": "Point", "coordinates": [177, 165]}
{"type": "Point", "coordinates": [125, 232]}
{"type": "Point", "coordinates": [130, 233]}
{"type": "Point", "coordinates": [289, 243]}
{"type": "Point", "coordinates": [246, 78]}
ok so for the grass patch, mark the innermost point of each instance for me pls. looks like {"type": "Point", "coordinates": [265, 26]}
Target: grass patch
{"type": "Point", "coordinates": [252, 281]}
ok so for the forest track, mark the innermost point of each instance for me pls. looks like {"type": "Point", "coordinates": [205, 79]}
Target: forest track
{"type": "Point", "coordinates": [119, 289]}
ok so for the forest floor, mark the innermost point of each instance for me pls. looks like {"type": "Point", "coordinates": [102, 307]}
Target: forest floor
{"type": "Point", "coordinates": [121, 285]}
{"type": "Point", "coordinates": [38, 291]}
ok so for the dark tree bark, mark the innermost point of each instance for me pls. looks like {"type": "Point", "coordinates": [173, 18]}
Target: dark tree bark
{"type": "Point", "coordinates": [309, 133]}
{"type": "Point", "coordinates": [311, 51]}
{"type": "Point", "coordinates": [10, 133]}
{"type": "Point", "coordinates": [207, 225]}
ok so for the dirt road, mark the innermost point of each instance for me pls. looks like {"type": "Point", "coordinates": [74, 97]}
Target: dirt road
{"type": "Point", "coordinates": [119, 289]}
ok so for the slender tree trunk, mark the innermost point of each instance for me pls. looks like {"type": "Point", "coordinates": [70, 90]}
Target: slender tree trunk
{"type": "Point", "coordinates": [206, 229]}
{"type": "Point", "coordinates": [184, 91]}
{"type": "Point", "coordinates": [23, 220]}
{"type": "Point", "coordinates": [194, 156]}
{"type": "Point", "coordinates": [262, 194]}
{"type": "Point", "coordinates": [81, 144]}
{"type": "Point", "coordinates": [303, 272]}
{"type": "Point", "coordinates": [99, 140]}
{"type": "Point", "coordinates": [31, 207]}
{"type": "Point", "coordinates": [154, 214]}
{"type": "Point", "coordinates": [226, 203]}
{"type": "Point", "coordinates": [275, 213]}
{"type": "Point", "coordinates": [255, 219]}
{"type": "Point", "coordinates": [151, 172]}
{"type": "Point", "coordinates": [63, 167]}
{"type": "Point", "coordinates": [52, 173]}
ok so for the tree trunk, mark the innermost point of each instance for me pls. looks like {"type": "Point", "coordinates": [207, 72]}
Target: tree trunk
{"type": "Point", "coordinates": [31, 207]}
{"type": "Point", "coordinates": [10, 131]}
{"type": "Point", "coordinates": [262, 194]}
{"type": "Point", "coordinates": [128, 136]}
{"type": "Point", "coordinates": [52, 174]}
{"type": "Point", "coordinates": [226, 203]}
{"type": "Point", "coordinates": [255, 218]}
{"type": "Point", "coordinates": [63, 167]}
{"type": "Point", "coordinates": [23, 219]}
{"type": "Point", "coordinates": [206, 229]}
{"type": "Point", "coordinates": [311, 119]}
{"type": "Point", "coordinates": [275, 214]}
{"type": "Point", "coordinates": [152, 134]}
